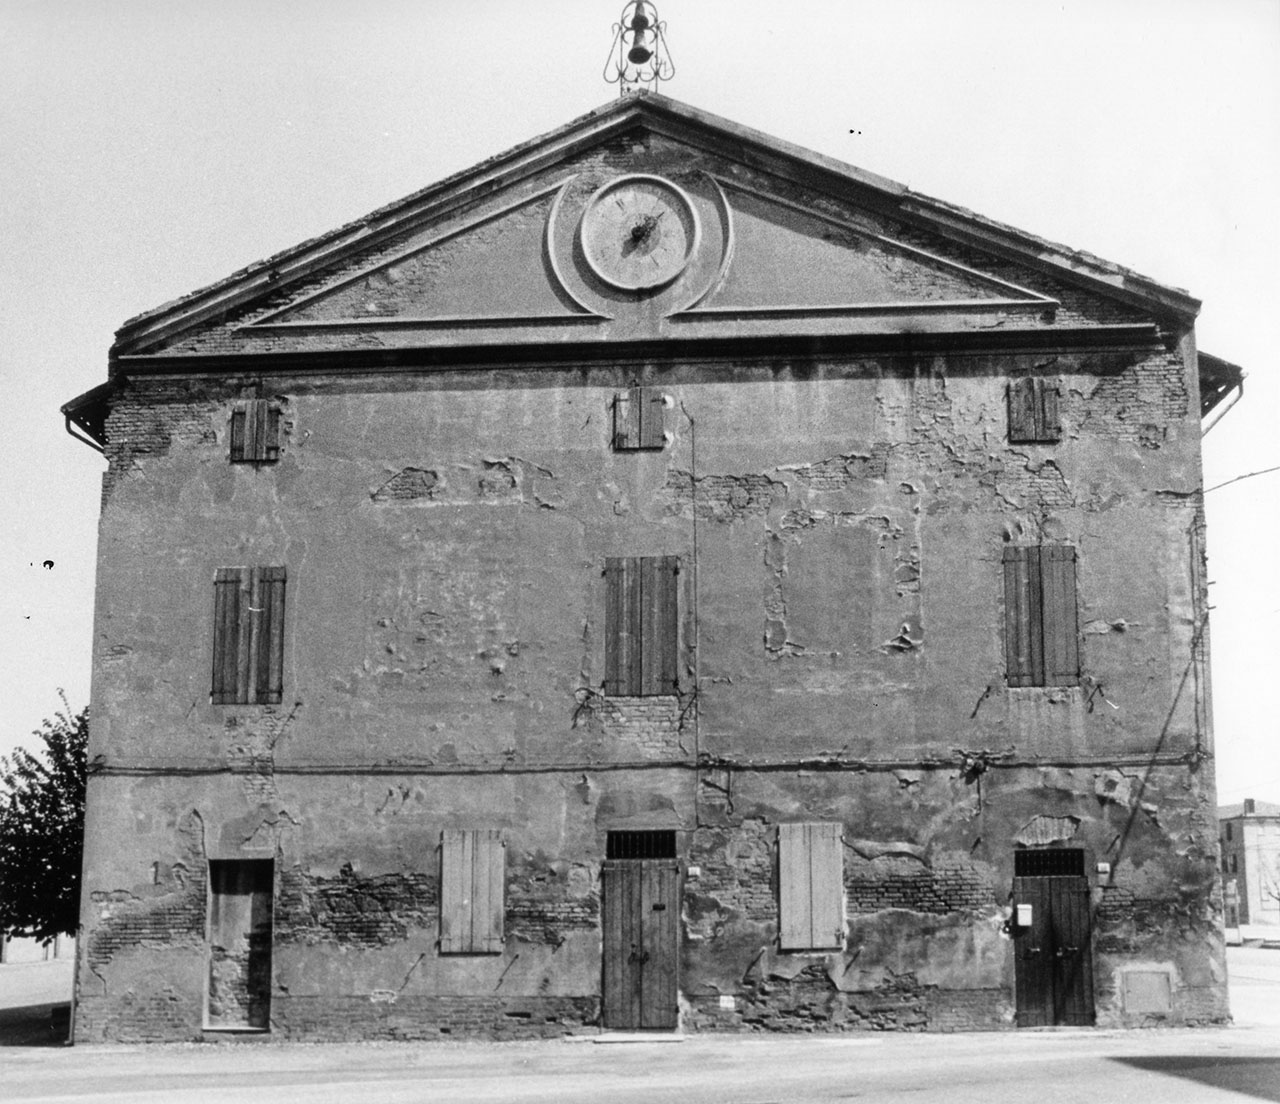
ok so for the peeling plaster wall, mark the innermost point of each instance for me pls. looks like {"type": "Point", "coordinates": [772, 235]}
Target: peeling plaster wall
{"type": "Point", "coordinates": [841, 658]}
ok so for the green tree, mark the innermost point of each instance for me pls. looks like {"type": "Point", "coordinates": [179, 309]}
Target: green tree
{"type": "Point", "coordinates": [42, 830]}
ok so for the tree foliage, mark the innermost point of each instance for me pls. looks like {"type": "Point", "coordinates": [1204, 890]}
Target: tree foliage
{"type": "Point", "coordinates": [42, 830]}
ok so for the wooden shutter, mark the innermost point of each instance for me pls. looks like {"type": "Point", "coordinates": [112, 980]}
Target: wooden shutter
{"type": "Point", "coordinates": [230, 596]}
{"type": "Point", "coordinates": [472, 883]}
{"type": "Point", "coordinates": [652, 417]}
{"type": "Point", "coordinates": [639, 419]}
{"type": "Point", "coordinates": [1023, 643]}
{"type": "Point", "coordinates": [1022, 402]}
{"type": "Point", "coordinates": [1048, 427]}
{"type": "Point", "coordinates": [1058, 597]}
{"type": "Point", "coordinates": [248, 635]}
{"type": "Point", "coordinates": [1033, 411]}
{"type": "Point", "coordinates": [255, 432]}
{"type": "Point", "coordinates": [626, 420]}
{"type": "Point", "coordinates": [1041, 636]}
{"type": "Point", "coordinates": [641, 625]}
{"type": "Point", "coordinates": [658, 624]}
{"type": "Point", "coordinates": [810, 887]}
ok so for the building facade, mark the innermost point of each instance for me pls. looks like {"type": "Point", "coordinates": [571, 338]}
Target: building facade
{"type": "Point", "coordinates": [658, 579]}
{"type": "Point", "coordinates": [1249, 835]}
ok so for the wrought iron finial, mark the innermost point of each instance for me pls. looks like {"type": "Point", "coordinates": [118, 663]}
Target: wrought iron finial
{"type": "Point", "coordinates": [639, 57]}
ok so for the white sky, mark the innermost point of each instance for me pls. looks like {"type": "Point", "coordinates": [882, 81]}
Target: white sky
{"type": "Point", "coordinates": [150, 147]}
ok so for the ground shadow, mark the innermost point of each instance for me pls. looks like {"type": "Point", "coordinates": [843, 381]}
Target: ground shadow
{"type": "Point", "coordinates": [1256, 1077]}
{"type": "Point", "coordinates": [35, 1025]}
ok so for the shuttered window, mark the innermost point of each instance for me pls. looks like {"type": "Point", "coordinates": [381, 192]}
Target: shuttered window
{"type": "Point", "coordinates": [472, 883]}
{"type": "Point", "coordinates": [255, 432]}
{"type": "Point", "coordinates": [1033, 411]}
{"type": "Point", "coordinates": [1041, 637]}
{"type": "Point", "coordinates": [248, 635]}
{"type": "Point", "coordinates": [641, 626]}
{"type": "Point", "coordinates": [638, 420]}
{"type": "Point", "coordinates": [810, 887]}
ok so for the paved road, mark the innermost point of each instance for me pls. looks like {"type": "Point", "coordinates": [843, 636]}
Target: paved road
{"type": "Point", "coordinates": [1073, 1067]}
{"type": "Point", "coordinates": [1241, 1063]}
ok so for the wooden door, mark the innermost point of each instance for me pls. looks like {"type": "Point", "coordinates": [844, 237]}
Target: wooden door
{"type": "Point", "coordinates": [641, 943]}
{"type": "Point", "coordinates": [1053, 958]}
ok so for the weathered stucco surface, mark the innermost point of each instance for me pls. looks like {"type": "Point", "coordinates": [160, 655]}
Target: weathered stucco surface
{"type": "Point", "coordinates": [840, 520]}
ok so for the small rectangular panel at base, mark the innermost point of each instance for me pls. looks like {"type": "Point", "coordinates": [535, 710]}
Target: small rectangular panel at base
{"type": "Point", "coordinates": [1148, 991]}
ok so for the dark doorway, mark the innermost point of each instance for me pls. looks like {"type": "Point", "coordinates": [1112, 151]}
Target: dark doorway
{"type": "Point", "coordinates": [1054, 958]}
{"type": "Point", "coordinates": [240, 898]}
{"type": "Point", "coordinates": [641, 933]}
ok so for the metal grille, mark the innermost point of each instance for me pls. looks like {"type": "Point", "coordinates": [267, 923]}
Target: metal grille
{"type": "Point", "coordinates": [1056, 862]}
{"type": "Point", "coordinates": [655, 843]}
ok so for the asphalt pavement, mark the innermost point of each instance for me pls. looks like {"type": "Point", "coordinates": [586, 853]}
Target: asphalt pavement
{"type": "Point", "coordinates": [1054, 1066]}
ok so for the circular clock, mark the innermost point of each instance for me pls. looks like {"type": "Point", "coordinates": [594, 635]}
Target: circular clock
{"type": "Point", "coordinates": [639, 232]}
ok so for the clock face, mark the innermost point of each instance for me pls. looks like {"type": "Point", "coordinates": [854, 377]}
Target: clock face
{"type": "Point", "coordinates": [639, 232]}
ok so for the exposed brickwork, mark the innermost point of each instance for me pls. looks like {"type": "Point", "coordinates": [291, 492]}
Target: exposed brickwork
{"type": "Point", "coordinates": [721, 497]}
{"type": "Point", "coordinates": [409, 485]}
{"type": "Point", "coordinates": [130, 923]}
{"type": "Point", "coordinates": [146, 420]}
{"type": "Point", "coordinates": [430, 1016]}
{"type": "Point", "coordinates": [547, 900]}
{"type": "Point", "coordinates": [904, 883]}
{"type": "Point", "coordinates": [367, 912]}
{"type": "Point", "coordinates": [809, 1002]}
{"type": "Point", "coordinates": [735, 879]}
{"type": "Point", "coordinates": [168, 1015]}
{"type": "Point", "coordinates": [648, 724]}
{"type": "Point", "coordinates": [1138, 402]}
{"type": "Point", "coordinates": [969, 1009]}
{"type": "Point", "coordinates": [839, 473]}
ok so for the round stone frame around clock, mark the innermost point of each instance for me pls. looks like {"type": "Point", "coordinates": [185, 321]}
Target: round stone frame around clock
{"type": "Point", "coordinates": [639, 232]}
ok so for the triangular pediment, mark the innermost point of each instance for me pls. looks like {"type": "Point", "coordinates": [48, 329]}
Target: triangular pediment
{"type": "Point", "coordinates": [647, 221]}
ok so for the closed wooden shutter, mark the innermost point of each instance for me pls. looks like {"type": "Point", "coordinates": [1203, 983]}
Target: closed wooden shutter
{"type": "Point", "coordinates": [1061, 632]}
{"type": "Point", "coordinates": [1041, 636]}
{"type": "Point", "coordinates": [472, 886]}
{"type": "Point", "coordinates": [1048, 427]}
{"type": "Point", "coordinates": [1022, 419]}
{"type": "Point", "coordinates": [639, 419]}
{"type": "Point", "coordinates": [1024, 659]}
{"type": "Point", "coordinates": [652, 418]}
{"type": "Point", "coordinates": [641, 625]}
{"type": "Point", "coordinates": [255, 432]}
{"type": "Point", "coordinates": [1033, 411]}
{"type": "Point", "coordinates": [810, 887]}
{"type": "Point", "coordinates": [248, 635]}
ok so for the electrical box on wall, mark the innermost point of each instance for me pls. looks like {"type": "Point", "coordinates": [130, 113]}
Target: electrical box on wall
{"type": "Point", "coordinates": [1024, 916]}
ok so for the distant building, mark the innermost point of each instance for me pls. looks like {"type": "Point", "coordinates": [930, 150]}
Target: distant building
{"type": "Point", "coordinates": [19, 949]}
{"type": "Point", "coordinates": [658, 577]}
{"type": "Point", "coordinates": [1249, 834]}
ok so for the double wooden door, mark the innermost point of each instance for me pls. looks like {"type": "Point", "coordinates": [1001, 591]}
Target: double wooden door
{"type": "Point", "coordinates": [641, 942]}
{"type": "Point", "coordinates": [1054, 959]}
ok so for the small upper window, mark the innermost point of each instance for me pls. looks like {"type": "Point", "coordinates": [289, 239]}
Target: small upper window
{"type": "Point", "coordinates": [1033, 411]}
{"type": "Point", "coordinates": [255, 433]}
{"type": "Point", "coordinates": [1228, 831]}
{"type": "Point", "coordinates": [639, 420]}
